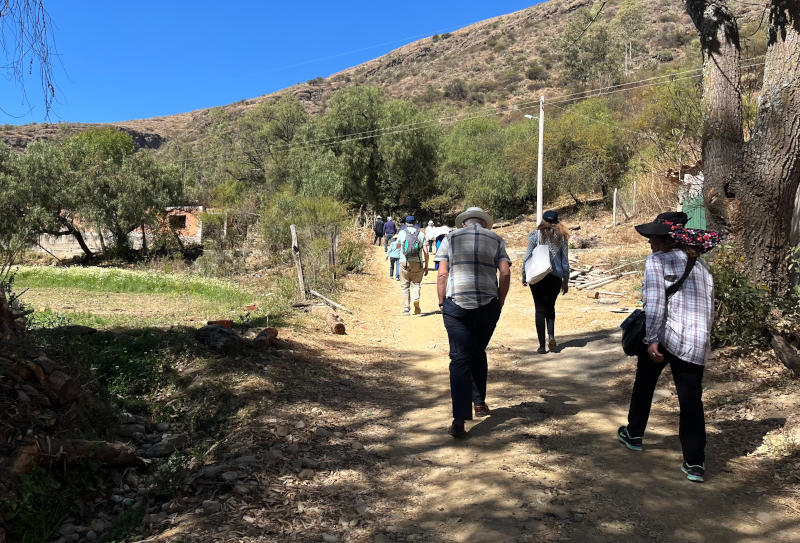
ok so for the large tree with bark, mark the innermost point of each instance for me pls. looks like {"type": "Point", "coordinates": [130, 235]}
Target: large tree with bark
{"type": "Point", "coordinates": [751, 185]}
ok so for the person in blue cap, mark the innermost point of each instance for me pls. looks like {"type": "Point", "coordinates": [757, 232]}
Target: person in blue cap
{"type": "Point", "coordinates": [413, 264]}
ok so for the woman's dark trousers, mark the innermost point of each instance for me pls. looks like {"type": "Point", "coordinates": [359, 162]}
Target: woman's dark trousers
{"type": "Point", "coordinates": [545, 293]}
{"type": "Point", "coordinates": [378, 239]}
{"type": "Point", "coordinates": [688, 379]}
{"type": "Point", "coordinates": [469, 332]}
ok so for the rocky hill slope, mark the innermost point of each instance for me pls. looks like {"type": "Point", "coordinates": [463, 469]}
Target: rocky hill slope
{"type": "Point", "coordinates": [484, 64]}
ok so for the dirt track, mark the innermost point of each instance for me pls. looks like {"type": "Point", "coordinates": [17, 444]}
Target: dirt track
{"type": "Point", "coordinates": [545, 466]}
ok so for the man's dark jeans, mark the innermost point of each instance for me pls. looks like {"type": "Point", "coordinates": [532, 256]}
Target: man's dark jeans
{"type": "Point", "coordinates": [378, 239]}
{"type": "Point", "coordinates": [469, 332]}
{"type": "Point", "coordinates": [688, 379]}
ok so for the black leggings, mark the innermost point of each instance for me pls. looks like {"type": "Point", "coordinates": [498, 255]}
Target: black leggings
{"type": "Point", "coordinates": [545, 293]}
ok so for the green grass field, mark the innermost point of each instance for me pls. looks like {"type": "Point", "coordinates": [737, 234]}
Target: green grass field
{"type": "Point", "coordinates": [116, 298]}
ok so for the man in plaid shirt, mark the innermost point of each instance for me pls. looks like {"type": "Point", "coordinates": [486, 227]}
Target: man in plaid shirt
{"type": "Point", "coordinates": [471, 299]}
{"type": "Point", "coordinates": [678, 332]}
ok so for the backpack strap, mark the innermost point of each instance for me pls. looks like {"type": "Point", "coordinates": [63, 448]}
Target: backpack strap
{"type": "Point", "coordinates": [675, 287]}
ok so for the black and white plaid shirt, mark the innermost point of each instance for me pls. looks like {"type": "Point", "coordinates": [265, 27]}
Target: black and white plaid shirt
{"type": "Point", "coordinates": [473, 255]}
{"type": "Point", "coordinates": [684, 326]}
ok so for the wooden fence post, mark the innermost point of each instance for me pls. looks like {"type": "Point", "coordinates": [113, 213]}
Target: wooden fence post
{"type": "Point", "coordinates": [615, 208]}
{"type": "Point", "coordinates": [633, 210]}
{"type": "Point", "coordinates": [298, 262]}
{"type": "Point", "coordinates": [333, 252]}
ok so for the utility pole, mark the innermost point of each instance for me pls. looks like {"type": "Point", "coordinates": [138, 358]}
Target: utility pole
{"type": "Point", "coordinates": [540, 164]}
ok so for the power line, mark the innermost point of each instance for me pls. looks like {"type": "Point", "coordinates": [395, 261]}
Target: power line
{"type": "Point", "coordinates": [522, 106]}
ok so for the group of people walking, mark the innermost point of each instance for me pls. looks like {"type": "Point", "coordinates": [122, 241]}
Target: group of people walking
{"type": "Point", "coordinates": [473, 280]}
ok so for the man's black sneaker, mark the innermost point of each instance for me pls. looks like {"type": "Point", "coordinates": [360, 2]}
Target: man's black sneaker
{"type": "Point", "coordinates": [694, 473]}
{"type": "Point", "coordinates": [457, 430]}
{"type": "Point", "coordinates": [633, 443]}
{"type": "Point", "coordinates": [541, 350]}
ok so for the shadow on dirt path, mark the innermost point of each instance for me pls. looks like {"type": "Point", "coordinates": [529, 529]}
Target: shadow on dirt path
{"type": "Point", "coordinates": [545, 465]}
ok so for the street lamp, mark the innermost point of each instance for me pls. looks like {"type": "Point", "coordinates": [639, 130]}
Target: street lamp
{"type": "Point", "coordinates": [540, 164]}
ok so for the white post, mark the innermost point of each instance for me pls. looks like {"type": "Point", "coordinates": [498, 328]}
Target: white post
{"type": "Point", "coordinates": [634, 199]}
{"type": "Point", "coordinates": [540, 165]}
{"type": "Point", "coordinates": [615, 208]}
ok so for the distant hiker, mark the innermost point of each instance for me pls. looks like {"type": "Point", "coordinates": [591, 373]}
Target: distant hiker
{"type": "Point", "coordinates": [430, 235]}
{"type": "Point", "coordinates": [378, 229]}
{"type": "Point", "coordinates": [471, 299]}
{"type": "Point", "coordinates": [413, 264]}
{"type": "Point", "coordinates": [553, 234]}
{"type": "Point", "coordinates": [394, 255]}
{"type": "Point", "coordinates": [389, 230]}
{"type": "Point", "coordinates": [677, 331]}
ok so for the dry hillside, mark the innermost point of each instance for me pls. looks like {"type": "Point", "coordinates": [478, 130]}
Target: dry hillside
{"type": "Point", "coordinates": [491, 57]}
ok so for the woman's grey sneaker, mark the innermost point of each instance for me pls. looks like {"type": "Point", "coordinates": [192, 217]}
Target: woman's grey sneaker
{"type": "Point", "coordinates": [633, 443]}
{"type": "Point", "coordinates": [694, 473]}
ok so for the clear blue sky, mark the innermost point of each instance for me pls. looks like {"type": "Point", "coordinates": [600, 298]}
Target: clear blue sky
{"type": "Point", "coordinates": [130, 60]}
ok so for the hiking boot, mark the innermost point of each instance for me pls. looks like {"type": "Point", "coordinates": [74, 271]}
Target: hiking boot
{"type": "Point", "coordinates": [417, 310]}
{"type": "Point", "coordinates": [457, 430]}
{"type": "Point", "coordinates": [694, 473]}
{"type": "Point", "coordinates": [552, 344]}
{"type": "Point", "coordinates": [481, 410]}
{"type": "Point", "coordinates": [633, 443]}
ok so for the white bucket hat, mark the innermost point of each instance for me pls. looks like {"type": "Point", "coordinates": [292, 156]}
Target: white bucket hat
{"type": "Point", "coordinates": [474, 213]}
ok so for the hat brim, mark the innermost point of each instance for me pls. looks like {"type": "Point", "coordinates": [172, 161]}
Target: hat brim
{"type": "Point", "coordinates": [482, 215]}
{"type": "Point", "coordinates": [652, 229]}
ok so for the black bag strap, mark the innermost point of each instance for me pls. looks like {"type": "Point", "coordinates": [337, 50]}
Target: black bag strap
{"type": "Point", "coordinates": [675, 287]}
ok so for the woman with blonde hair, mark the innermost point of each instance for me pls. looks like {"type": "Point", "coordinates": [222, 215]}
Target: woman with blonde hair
{"type": "Point", "coordinates": [552, 233]}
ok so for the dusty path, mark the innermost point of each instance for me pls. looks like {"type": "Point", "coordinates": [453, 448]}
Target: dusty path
{"type": "Point", "coordinates": [545, 466]}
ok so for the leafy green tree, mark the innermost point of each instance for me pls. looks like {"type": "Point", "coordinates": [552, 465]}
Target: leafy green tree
{"type": "Point", "coordinates": [673, 119]}
{"type": "Point", "coordinates": [44, 178]}
{"type": "Point", "coordinates": [20, 217]}
{"type": "Point", "coordinates": [119, 191]}
{"type": "Point", "coordinates": [350, 129]}
{"type": "Point", "coordinates": [630, 25]}
{"type": "Point", "coordinates": [587, 150]}
{"type": "Point", "coordinates": [590, 51]}
{"type": "Point", "coordinates": [409, 156]}
{"type": "Point", "coordinates": [266, 135]}
{"type": "Point", "coordinates": [473, 168]}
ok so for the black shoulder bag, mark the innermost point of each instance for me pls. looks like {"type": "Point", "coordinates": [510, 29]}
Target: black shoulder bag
{"type": "Point", "coordinates": [633, 327]}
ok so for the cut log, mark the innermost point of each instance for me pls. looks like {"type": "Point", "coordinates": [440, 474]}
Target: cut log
{"type": "Point", "coordinates": [605, 280]}
{"type": "Point", "coordinates": [329, 302]}
{"type": "Point", "coordinates": [36, 451]}
{"type": "Point", "coordinates": [593, 294]}
{"type": "Point", "coordinates": [335, 324]}
{"type": "Point", "coordinates": [608, 293]}
{"type": "Point", "coordinates": [786, 352]}
{"type": "Point", "coordinates": [624, 266]}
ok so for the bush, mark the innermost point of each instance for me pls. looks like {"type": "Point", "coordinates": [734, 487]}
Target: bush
{"type": "Point", "coordinates": [742, 308]}
{"type": "Point", "coordinates": [455, 90]}
{"type": "Point", "coordinates": [665, 55]}
{"type": "Point", "coordinates": [537, 72]}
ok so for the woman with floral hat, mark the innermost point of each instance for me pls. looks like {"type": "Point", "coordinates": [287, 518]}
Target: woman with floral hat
{"type": "Point", "coordinates": [678, 296]}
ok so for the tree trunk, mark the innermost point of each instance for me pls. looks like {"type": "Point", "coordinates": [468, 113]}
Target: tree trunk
{"type": "Point", "coordinates": [762, 175]}
{"type": "Point", "coordinates": [768, 182]}
{"type": "Point", "coordinates": [722, 106]}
